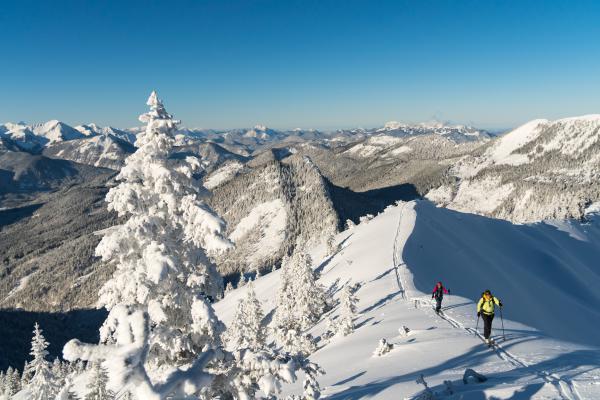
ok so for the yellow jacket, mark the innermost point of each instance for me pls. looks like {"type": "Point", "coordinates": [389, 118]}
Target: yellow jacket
{"type": "Point", "coordinates": [487, 306]}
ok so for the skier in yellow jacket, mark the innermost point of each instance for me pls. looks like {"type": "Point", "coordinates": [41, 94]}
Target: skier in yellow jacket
{"type": "Point", "coordinates": [485, 309]}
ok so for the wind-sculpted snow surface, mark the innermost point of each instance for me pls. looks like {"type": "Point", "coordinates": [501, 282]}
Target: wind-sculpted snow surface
{"type": "Point", "coordinates": [544, 275]}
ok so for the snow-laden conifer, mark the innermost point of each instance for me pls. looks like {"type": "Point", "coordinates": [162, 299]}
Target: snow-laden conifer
{"type": "Point", "coordinates": [312, 389]}
{"type": "Point", "coordinates": [330, 328]}
{"type": "Point", "coordinates": [97, 384]}
{"type": "Point", "coordinates": [300, 304]}
{"type": "Point", "coordinates": [42, 385]}
{"type": "Point", "coordinates": [332, 247]}
{"type": "Point", "coordinates": [161, 337]}
{"type": "Point", "coordinates": [26, 375]}
{"type": "Point", "coordinates": [58, 372]}
{"type": "Point", "coordinates": [160, 252]}
{"type": "Point", "coordinates": [310, 295]}
{"type": "Point", "coordinates": [246, 330]}
{"type": "Point", "coordinates": [300, 297]}
{"type": "Point", "coordinates": [427, 393]}
{"type": "Point", "coordinates": [348, 306]}
{"type": "Point", "coordinates": [67, 392]}
{"type": "Point", "coordinates": [12, 382]}
{"type": "Point", "coordinates": [159, 313]}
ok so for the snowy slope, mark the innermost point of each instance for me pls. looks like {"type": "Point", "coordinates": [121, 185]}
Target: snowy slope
{"type": "Point", "coordinates": [542, 273]}
{"type": "Point", "coordinates": [223, 174]}
{"type": "Point", "coordinates": [267, 221]}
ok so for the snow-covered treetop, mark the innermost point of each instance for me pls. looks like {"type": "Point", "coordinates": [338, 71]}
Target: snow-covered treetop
{"type": "Point", "coordinates": [158, 122]}
{"type": "Point", "coordinates": [38, 345]}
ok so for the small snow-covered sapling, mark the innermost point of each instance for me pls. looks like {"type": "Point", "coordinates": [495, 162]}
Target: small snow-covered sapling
{"type": "Point", "coordinates": [449, 388]}
{"type": "Point", "coordinates": [383, 348]}
{"type": "Point", "coordinates": [404, 331]}
{"type": "Point", "coordinates": [427, 393]}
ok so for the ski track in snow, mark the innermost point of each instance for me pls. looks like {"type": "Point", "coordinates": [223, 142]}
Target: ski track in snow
{"type": "Point", "coordinates": [564, 387]}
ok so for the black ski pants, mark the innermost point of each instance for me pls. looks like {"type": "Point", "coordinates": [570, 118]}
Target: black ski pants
{"type": "Point", "coordinates": [487, 324]}
{"type": "Point", "coordinates": [438, 304]}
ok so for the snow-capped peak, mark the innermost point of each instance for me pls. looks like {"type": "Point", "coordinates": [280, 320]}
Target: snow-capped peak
{"type": "Point", "coordinates": [259, 131]}
{"type": "Point", "coordinates": [392, 125]}
{"type": "Point", "coordinates": [56, 131]}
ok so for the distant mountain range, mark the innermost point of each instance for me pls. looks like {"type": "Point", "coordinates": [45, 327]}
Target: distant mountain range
{"type": "Point", "coordinates": [34, 138]}
{"type": "Point", "coordinates": [275, 188]}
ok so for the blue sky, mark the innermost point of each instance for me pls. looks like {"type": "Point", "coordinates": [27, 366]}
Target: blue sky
{"type": "Point", "coordinates": [321, 64]}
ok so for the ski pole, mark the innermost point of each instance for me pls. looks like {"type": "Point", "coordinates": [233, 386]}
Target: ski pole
{"type": "Point", "coordinates": [502, 319]}
{"type": "Point", "coordinates": [476, 325]}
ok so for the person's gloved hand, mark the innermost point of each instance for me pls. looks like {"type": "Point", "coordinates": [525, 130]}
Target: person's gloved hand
{"type": "Point", "coordinates": [448, 291]}
{"type": "Point", "coordinates": [501, 305]}
{"type": "Point", "coordinates": [432, 296]}
{"type": "Point", "coordinates": [478, 314]}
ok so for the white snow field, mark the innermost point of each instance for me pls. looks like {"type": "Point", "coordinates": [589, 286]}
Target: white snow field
{"type": "Point", "coordinates": [546, 274]}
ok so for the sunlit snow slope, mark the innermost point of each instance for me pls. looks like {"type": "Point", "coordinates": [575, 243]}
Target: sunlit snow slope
{"type": "Point", "coordinates": [546, 276]}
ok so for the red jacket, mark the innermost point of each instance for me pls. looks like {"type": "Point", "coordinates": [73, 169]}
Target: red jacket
{"type": "Point", "coordinates": [439, 291]}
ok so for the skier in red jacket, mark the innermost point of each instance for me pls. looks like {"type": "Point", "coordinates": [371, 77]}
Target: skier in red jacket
{"type": "Point", "coordinates": [438, 294]}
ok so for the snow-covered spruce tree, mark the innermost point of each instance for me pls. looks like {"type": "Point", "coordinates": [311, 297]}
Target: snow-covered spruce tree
{"type": "Point", "coordinates": [26, 375]}
{"type": "Point", "coordinates": [161, 337]}
{"type": "Point", "coordinates": [96, 386]}
{"type": "Point", "coordinates": [42, 385]}
{"type": "Point", "coordinates": [427, 393]}
{"type": "Point", "coordinates": [258, 368]}
{"type": "Point", "coordinates": [11, 382]}
{"type": "Point", "coordinates": [332, 247]}
{"type": "Point", "coordinates": [66, 392]}
{"type": "Point", "coordinates": [246, 330]}
{"type": "Point", "coordinates": [160, 317]}
{"type": "Point", "coordinates": [348, 304]}
{"type": "Point", "coordinates": [58, 372]}
{"type": "Point", "coordinates": [312, 389]}
{"type": "Point", "coordinates": [300, 304]}
{"type": "Point", "coordinates": [78, 367]}
{"type": "Point", "coordinates": [300, 295]}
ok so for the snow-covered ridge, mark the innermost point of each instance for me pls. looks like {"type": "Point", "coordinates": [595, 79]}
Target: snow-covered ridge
{"type": "Point", "coordinates": [568, 136]}
{"type": "Point", "coordinates": [542, 170]}
{"type": "Point", "coordinates": [37, 136]}
{"type": "Point", "coordinates": [558, 358]}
